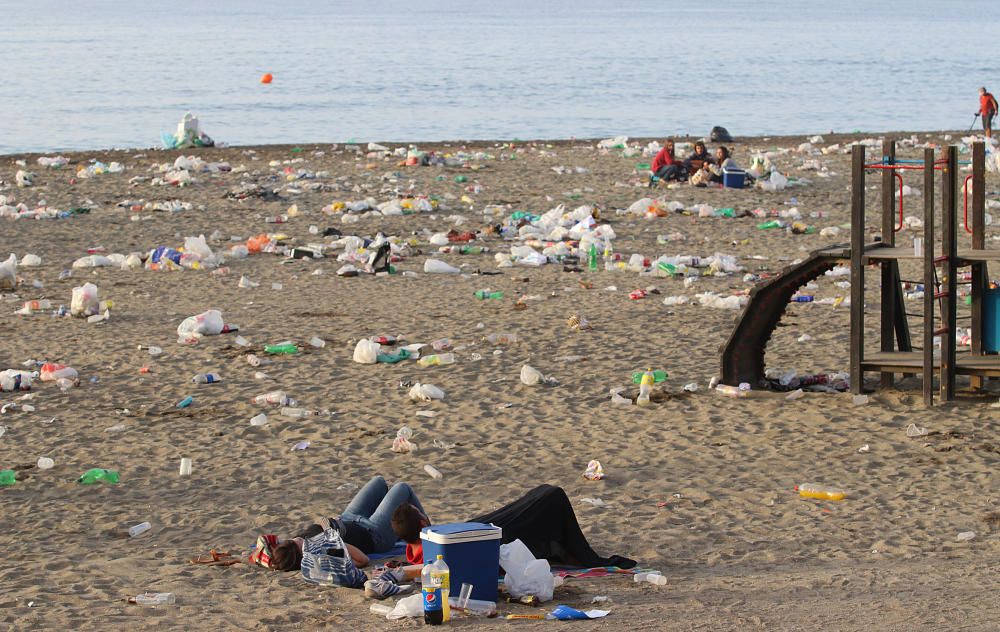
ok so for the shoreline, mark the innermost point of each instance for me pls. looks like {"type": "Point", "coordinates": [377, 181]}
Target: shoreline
{"type": "Point", "coordinates": [829, 137]}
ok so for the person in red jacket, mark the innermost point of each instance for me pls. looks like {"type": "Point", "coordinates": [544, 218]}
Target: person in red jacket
{"type": "Point", "coordinates": [665, 165]}
{"type": "Point", "coordinates": [988, 109]}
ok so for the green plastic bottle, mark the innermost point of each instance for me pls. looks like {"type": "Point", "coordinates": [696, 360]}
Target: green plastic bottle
{"type": "Point", "coordinates": [669, 268]}
{"type": "Point", "coordinates": [461, 179]}
{"type": "Point", "coordinates": [770, 224]}
{"type": "Point", "coordinates": [486, 294]}
{"type": "Point", "coordinates": [99, 475]}
{"type": "Point", "coordinates": [285, 348]}
{"type": "Point", "coordinates": [658, 376]}
{"type": "Point", "coordinates": [7, 478]}
{"type": "Point", "coordinates": [471, 250]}
{"type": "Point", "coordinates": [592, 258]}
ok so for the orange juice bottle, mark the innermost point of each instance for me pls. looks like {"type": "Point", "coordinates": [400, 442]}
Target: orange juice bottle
{"type": "Point", "coordinates": [809, 490]}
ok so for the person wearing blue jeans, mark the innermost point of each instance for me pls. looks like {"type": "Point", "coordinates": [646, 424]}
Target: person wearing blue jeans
{"type": "Point", "coordinates": [367, 521]}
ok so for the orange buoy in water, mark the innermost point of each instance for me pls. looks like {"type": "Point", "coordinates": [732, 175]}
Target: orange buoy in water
{"type": "Point", "coordinates": [267, 78]}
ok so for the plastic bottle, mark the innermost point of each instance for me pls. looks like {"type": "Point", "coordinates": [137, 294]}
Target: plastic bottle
{"type": "Point", "coordinates": [286, 348]}
{"type": "Point", "coordinates": [472, 250]}
{"type": "Point", "coordinates": [139, 529]}
{"type": "Point", "coordinates": [274, 397]}
{"type": "Point", "coordinates": [810, 490]}
{"type": "Point", "coordinates": [153, 599]}
{"type": "Point", "coordinates": [802, 298]}
{"type": "Point", "coordinates": [731, 391]}
{"type": "Point", "coordinates": [289, 411]}
{"type": "Point", "coordinates": [184, 403]}
{"type": "Point", "coordinates": [652, 578]}
{"type": "Point", "coordinates": [380, 609]}
{"type": "Point", "coordinates": [7, 478]}
{"type": "Point", "coordinates": [441, 344]}
{"type": "Point", "coordinates": [592, 257]}
{"type": "Point", "coordinates": [98, 475]}
{"type": "Point", "coordinates": [774, 223]}
{"type": "Point", "coordinates": [432, 472]}
{"type": "Point", "coordinates": [436, 359]}
{"type": "Point", "coordinates": [609, 259]}
{"type": "Point", "coordinates": [486, 294]}
{"type": "Point", "coordinates": [645, 388]}
{"type": "Point", "coordinates": [253, 360]}
{"type": "Point", "coordinates": [206, 378]}
{"type": "Point", "coordinates": [30, 306]}
{"type": "Point", "coordinates": [435, 581]}
{"type": "Point", "coordinates": [501, 339]}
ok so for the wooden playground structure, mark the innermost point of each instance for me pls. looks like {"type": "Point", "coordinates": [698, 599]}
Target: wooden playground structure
{"type": "Point", "coordinates": [743, 355]}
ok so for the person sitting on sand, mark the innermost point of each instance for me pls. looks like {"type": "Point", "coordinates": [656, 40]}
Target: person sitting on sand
{"type": "Point", "coordinates": [723, 160]}
{"type": "Point", "coordinates": [698, 159]}
{"type": "Point", "coordinates": [711, 172]}
{"type": "Point", "coordinates": [543, 519]}
{"type": "Point", "coordinates": [665, 166]}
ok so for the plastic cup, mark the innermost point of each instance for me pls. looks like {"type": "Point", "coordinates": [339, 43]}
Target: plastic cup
{"type": "Point", "coordinates": [185, 467]}
{"type": "Point", "coordinates": [463, 596]}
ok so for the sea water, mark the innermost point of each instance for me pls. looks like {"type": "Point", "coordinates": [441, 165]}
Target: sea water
{"type": "Point", "coordinates": [84, 74]}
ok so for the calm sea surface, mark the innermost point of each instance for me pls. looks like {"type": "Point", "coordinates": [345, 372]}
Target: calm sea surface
{"type": "Point", "coordinates": [94, 73]}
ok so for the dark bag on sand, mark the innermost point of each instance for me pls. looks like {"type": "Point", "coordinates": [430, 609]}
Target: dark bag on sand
{"type": "Point", "coordinates": [720, 135]}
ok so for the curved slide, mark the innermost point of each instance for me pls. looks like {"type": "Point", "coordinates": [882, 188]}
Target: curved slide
{"type": "Point", "coordinates": [743, 353]}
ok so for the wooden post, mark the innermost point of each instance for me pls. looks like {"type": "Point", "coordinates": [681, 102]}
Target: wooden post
{"type": "Point", "coordinates": [929, 287]}
{"type": "Point", "coordinates": [980, 276]}
{"type": "Point", "coordinates": [857, 269]}
{"type": "Point", "coordinates": [890, 282]}
{"type": "Point", "coordinates": [949, 241]}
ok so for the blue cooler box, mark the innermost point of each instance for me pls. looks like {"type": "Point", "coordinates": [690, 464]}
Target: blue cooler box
{"type": "Point", "coordinates": [733, 178]}
{"type": "Point", "coordinates": [991, 320]}
{"type": "Point", "coordinates": [472, 552]}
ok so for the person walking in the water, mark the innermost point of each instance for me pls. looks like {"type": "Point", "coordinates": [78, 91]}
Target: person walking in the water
{"type": "Point", "coordinates": [987, 109]}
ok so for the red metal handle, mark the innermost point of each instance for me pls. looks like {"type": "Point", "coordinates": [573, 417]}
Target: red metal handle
{"type": "Point", "coordinates": [965, 194]}
{"type": "Point", "coordinates": [900, 178]}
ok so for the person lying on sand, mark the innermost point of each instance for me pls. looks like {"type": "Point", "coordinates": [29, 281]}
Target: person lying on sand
{"type": "Point", "coordinates": [543, 519]}
{"type": "Point", "coordinates": [366, 524]}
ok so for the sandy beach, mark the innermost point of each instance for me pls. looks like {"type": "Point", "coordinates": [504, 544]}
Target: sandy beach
{"type": "Point", "coordinates": [699, 486]}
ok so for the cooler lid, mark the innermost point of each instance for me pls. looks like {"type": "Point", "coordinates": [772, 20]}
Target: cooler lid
{"type": "Point", "coordinates": [459, 532]}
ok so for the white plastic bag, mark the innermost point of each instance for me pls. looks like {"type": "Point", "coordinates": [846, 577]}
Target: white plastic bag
{"type": "Point", "coordinates": [207, 323]}
{"type": "Point", "coordinates": [14, 380]}
{"type": "Point", "coordinates": [525, 575]}
{"type": "Point", "coordinates": [425, 392]}
{"type": "Point", "coordinates": [198, 246]}
{"type": "Point", "coordinates": [84, 301]}
{"type": "Point", "coordinates": [8, 272]}
{"type": "Point", "coordinates": [434, 266]}
{"type": "Point", "coordinates": [531, 376]}
{"type": "Point", "coordinates": [366, 351]}
{"type": "Point", "coordinates": [412, 606]}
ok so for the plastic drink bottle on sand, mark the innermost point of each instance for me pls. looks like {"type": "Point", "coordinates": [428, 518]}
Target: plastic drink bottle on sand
{"type": "Point", "coordinates": [435, 582]}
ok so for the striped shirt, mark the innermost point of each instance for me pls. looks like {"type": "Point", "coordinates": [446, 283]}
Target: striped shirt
{"type": "Point", "coordinates": [321, 567]}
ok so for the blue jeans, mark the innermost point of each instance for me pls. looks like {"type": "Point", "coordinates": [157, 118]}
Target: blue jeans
{"type": "Point", "coordinates": [372, 507]}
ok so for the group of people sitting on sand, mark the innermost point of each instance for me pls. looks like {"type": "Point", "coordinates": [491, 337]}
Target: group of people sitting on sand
{"type": "Point", "coordinates": [378, 517]}
{"type": "Point", "coordinates": [700, 168]}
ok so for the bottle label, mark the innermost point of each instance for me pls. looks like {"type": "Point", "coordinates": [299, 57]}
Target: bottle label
{"type": "Point", "coordinates": [432, 599]}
